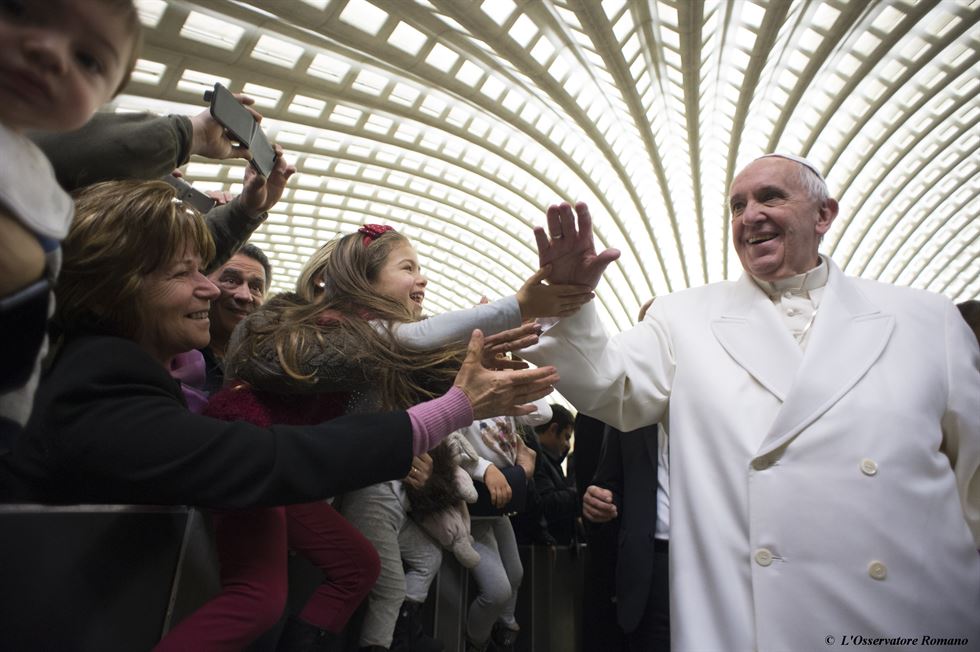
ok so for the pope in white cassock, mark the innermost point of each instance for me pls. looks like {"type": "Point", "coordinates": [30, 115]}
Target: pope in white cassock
{"type": "Point", "coordinates": [824, 433]}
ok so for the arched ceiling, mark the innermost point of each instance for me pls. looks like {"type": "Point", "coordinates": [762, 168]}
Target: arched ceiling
{"type": "Point", "coordinates": [459, 121]}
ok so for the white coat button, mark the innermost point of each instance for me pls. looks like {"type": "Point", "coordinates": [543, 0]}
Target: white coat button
{"type": "Point", "coordinates": [877, 570]}
{"type": "Point", "coordinates": [763, 557]}
{"type": "Point", "coordinates": [869, 467]}
{"type": "Point", "coordinates": [792, 312]}
{"type": "Point", "coordinates": [787, 294]}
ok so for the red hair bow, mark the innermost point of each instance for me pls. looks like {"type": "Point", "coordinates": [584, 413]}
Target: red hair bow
{"type": "Point", "coordinates": [373, 231]}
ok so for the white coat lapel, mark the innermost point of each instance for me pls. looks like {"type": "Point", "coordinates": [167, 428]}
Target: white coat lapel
{"type": "Point", "coordinates": [849, 334]}
{"type": "Point", "coordinates": [751, 332]}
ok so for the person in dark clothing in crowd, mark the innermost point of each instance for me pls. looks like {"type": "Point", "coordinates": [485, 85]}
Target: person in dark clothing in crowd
{"type": "Point", "coordinates": [600, 632]}
{"type": "Point", "coordinates": [630, 487]}
{"type": "Point", "coordinates": [559, 501]}
{"type": "Point", "coordinates": [530, 525]}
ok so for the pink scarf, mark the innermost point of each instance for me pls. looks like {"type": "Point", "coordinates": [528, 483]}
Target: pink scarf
{"type": "Point", "coordinates": [188, 368]}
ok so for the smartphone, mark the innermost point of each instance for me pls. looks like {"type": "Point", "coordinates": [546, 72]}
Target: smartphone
{"type": "Point", "coordinates": [241, 127]}
{"type": "Point", "coordinates": [188, 193]}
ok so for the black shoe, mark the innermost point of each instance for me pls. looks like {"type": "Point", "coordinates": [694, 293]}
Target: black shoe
{"type": "Point", "coordinates": [503, 637]}
{"type": "Point", "coordinates": [301, 636]}
{"type": "Point", "coordinates": [477, 647]}
{"type": "Point", "coordinates": [409, 635]}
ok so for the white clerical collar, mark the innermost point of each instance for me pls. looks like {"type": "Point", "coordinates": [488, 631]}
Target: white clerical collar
{"type": "Point", "coordinates": [805, 282]}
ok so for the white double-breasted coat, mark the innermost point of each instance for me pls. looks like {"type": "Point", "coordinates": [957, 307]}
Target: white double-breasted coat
{"type": "Point", "coordinates": [816, 496]}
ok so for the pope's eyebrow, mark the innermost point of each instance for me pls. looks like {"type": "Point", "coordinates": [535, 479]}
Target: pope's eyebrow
{"type": "Point", "coordinates": [770, 191]}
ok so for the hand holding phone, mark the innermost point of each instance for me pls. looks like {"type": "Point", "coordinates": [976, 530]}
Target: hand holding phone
{"type": "Point", "coordinates": [242, 127]}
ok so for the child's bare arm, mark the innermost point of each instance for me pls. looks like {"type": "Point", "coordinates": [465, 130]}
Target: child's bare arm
{"type": "Point", "coordinates": [21, 255]}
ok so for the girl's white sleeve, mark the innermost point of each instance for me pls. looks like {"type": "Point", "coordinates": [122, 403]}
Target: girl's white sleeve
{"type": "Point", "coordinates": [458, 325]}
{"type": "Point", "coordinates": [479, 470]}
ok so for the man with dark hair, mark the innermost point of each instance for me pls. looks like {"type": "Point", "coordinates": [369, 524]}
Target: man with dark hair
{"type": "Point", "coordinates": [243, 281]}
{"type": "Point", "coordinates": [558, 500]}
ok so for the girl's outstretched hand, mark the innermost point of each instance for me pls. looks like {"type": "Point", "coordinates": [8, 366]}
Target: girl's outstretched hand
{"type": "Point", "coordinates": [539, 300]}
{"type": "Point", "coordinates": [501, 393]}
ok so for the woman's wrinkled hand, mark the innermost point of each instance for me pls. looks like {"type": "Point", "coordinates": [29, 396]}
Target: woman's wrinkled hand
{"type": "Point", "coordinates": [497, 346]}
{"type": "Point", "coordinates": [505, 392]}
{"type": "Point", "coordinates": [421, 471]}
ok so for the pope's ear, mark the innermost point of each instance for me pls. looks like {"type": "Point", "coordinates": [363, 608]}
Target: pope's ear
{"type": "Point", "coordinates": [827, 214]}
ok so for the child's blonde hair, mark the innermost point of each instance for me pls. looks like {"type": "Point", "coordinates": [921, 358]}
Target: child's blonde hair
{"type": "Point", "coordinates": [310, 283]}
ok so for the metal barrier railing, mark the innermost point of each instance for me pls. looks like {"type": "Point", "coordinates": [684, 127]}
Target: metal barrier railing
{"type": "Point", "coordinates": [115, 577]}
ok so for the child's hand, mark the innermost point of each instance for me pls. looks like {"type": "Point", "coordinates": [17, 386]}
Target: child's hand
{"type": "Point", "coordinates": [539, 300]}
{"type": "Point", "coordinates": [497, 485]}
{"type": "Point", "coordinates": [21, 256]}
{"type": "Point", "coordinates": [526, 458]}
{"type": "Point", "coordinates": [208, 136]}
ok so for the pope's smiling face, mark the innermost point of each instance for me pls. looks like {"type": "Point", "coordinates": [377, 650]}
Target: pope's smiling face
{"type": "Point", "coordinates": [776, 222]}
